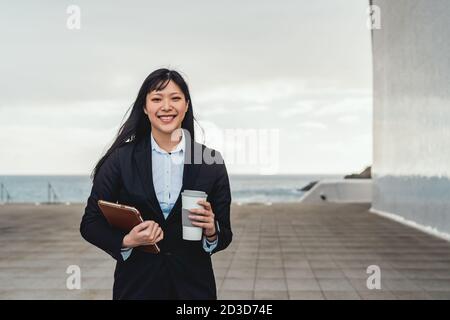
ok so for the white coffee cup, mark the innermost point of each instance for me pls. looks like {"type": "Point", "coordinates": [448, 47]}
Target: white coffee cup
{"type": "Point", "coordinates": [189, 200]}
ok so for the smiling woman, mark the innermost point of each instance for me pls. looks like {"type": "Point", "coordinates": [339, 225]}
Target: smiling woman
{"type": "Point", "coordinates": [147, 167]}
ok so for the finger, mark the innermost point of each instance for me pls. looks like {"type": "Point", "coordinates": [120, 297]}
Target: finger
{"type": "Point", "coordinates": [150, 231]}
{"type": "Point", "coordinates": [202, 212]}
{"type": "Point", "coordinates": [202, 224]}
{"type": "Point", "coordinates": [200, 218]}
{"type": "Point", "coordinates": [160, 237]}
{"type": "Point", "coordinates": [141, 226]}
{"type": "Point", "coordinates": [157, 233]}
{"type": "Point", "coordinates": [205, 204]}
{"type": "Point", "coordinates": [157, 240]}
{"type": "Point", "coordinates": [148, 223]}
{"type": "Point", "coordinates": [195, 217]}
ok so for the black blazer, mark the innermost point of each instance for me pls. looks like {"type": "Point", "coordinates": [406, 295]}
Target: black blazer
{"type": "Point", "coordinates": [182, 269]}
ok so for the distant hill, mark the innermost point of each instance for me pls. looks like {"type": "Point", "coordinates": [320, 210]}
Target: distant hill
{"type": "Point", "coordinates": [365, 174]}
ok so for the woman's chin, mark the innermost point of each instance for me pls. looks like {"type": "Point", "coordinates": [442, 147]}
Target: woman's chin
{"type": "Point", "coordinates": [167, 128]}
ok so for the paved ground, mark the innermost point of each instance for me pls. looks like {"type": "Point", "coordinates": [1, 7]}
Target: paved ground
{"type": "Point", "coordinates": [283, 251]}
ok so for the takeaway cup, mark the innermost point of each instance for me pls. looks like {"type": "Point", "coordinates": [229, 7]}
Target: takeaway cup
{"type": "Point", "coordinates": [189, 200]}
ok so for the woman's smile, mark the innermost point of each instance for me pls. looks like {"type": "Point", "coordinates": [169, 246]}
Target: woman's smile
{"type": "Point", "coordinates": [167, 118]}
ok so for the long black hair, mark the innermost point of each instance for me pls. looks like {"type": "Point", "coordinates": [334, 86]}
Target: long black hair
{"type": "Point", "coordinates": [138, 126]}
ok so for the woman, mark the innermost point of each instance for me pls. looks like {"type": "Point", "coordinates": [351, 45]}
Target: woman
{"type": "Point", "coordinates": [152, 160]}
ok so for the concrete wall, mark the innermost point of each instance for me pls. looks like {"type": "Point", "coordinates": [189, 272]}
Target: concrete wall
{"type": "Point", "coordinates": [343, 190]}
{"type": "Point", "coordinates": [411, 169]}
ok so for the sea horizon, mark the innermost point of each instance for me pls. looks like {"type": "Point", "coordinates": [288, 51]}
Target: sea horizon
{"type": "Point", "coordinates": [75, 188]}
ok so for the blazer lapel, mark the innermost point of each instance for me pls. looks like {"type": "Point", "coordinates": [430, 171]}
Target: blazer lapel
{"type": "Point", "coordinates": [143, 162]}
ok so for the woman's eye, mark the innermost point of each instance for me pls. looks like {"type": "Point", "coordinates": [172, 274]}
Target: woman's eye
{"type": "Point", "coordinates": [156, 100]}
{"type": "Point", "coordinates": [177, 98]}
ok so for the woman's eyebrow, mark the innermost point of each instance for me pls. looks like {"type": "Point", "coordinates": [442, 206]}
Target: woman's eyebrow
{"type": "Point", "coordinates": [160, 94]}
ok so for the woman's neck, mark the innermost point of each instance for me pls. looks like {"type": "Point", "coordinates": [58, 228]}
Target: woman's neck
{"type": "Point", "coordinates": [164, 140]}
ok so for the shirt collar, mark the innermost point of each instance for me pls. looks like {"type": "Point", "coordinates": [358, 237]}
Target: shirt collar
{"type": "Point", "coordinates": [180, 146]}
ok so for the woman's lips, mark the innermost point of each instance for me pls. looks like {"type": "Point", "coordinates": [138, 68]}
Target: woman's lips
{"type": "Point", "coordinates": [166, 119]}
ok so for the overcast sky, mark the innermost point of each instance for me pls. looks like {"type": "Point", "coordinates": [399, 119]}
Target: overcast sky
{"type": "Point", "coordinates": [301, 68]}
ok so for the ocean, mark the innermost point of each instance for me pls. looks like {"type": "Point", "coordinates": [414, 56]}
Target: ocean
{"type": "Point", "coordinates": [76, 189]}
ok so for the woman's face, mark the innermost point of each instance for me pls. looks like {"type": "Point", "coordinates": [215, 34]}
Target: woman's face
{"type": "Point", "coordinates": [166, 108]}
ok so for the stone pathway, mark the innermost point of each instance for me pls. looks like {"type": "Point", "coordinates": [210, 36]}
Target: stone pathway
{"type": "Point", "coordinates": [283, 251]}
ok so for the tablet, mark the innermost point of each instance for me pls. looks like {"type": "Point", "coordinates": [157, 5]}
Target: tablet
{"type": "Point", "coordinates": [124, 218]}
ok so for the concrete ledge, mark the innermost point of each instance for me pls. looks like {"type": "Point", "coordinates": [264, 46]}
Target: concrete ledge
{"type": "Point", "coordinates": [340, 191]}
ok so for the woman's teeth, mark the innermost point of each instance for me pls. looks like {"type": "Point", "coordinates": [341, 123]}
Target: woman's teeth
{"type": "Point", "coordinates": [166, 118]}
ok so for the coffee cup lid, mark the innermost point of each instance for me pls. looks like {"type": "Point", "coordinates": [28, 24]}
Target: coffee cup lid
{"type": "Point", "coordinates": [194, 193]}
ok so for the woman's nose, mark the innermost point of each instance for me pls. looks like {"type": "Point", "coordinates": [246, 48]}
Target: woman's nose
{"type": "Point", "coordinates": [166, 105]}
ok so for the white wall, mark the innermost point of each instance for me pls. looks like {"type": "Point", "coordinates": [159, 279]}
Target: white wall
{"type": "Point", "coordinates": [411, 166]}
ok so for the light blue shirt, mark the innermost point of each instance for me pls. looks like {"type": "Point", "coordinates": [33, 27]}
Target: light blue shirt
{"type": "Point", "coordinates": [167, 171]}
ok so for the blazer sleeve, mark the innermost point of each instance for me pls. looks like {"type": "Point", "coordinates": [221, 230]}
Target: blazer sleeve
{"type": "Point", "coordinates": [221, 203]}
{"type": "Point", "coordinates": [94, 228]}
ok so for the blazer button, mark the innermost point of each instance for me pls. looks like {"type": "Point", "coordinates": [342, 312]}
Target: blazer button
{"type": "Point", "coordinates": [168, 253]}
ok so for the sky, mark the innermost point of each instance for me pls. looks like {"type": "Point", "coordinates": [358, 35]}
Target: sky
{"type": "Point", "coordinates": [289, 82]}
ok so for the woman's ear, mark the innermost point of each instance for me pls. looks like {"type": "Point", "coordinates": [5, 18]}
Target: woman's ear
{"type": "Point", "coordinates": [145, 110]}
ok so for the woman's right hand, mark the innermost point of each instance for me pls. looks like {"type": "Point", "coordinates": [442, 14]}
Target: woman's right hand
{"type": "Point", "coordinates": [145, 233]}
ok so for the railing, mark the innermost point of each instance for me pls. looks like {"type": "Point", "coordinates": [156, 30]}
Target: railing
{"type": "Point", "coordinates": [4, 194]}
{"type": "Point", "coordinates": [52, 197]}
{"type": "Point", "coordinates": [51, 194]}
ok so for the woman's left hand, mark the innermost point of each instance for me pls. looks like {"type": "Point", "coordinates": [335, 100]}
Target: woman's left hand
{"type": "Point", "coordinates": [204, 218]}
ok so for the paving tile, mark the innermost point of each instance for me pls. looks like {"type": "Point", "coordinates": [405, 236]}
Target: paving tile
{"type": "Point", "coordinates": [441, 274]}
{"type": "Point", "coordinates": [335, 285]}
{"type": "Point", "coordinates": [355, 273]}
{"type": "Point", "coordinates": [433, 285]}
{"type": "Point", "coordinates": [270, 273]}
{"type": "Point", "coordinates": [243, 264]}
{"type": "Point", "coordinates": [235, 295]}
{"type": "Point", "coordinates": [341, 295]}
{"type": "Point", "coordinates": [299, 273]}
{"type": "Point", "coordinates": [220, 272]}
{"type": "Point", "coordinates": [303, 285]}
{"type": "Point", "coordinates": [271, 295]}
{"type": "Point", "coordinates": [269, 263]}
{"type": "Point", "coordinates": [377, 295]}
{"type": "Point", "coordinates": [238, 284]}
{"type": "Point", "coordinates": [439, 295]}
{"type": "Point", "coordinates": [322, 264]}
{"type": "Point", "coordinates": [413, 295]}
{"type": "Point", "coordinates": [270, 285]}
{"type": "Point", "coordinates": [401, 285]}
{"type": "Point", "coordinates": [306, 295]}
{"type": "Point", "coordinates": [296, 264]}
{"type": "Point", "coordinates": [241, 273]}
{"type": "Point", "coordinates": [328, 273]}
